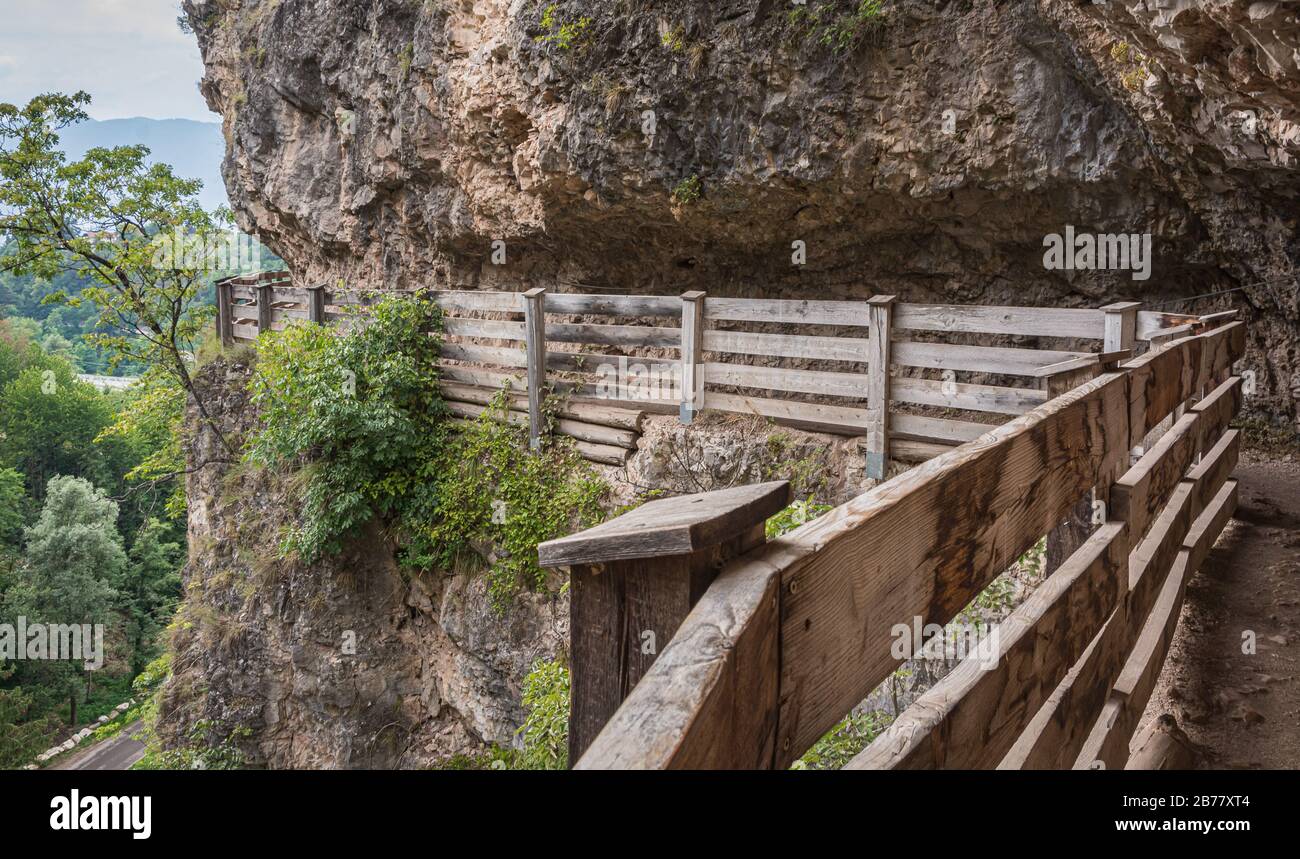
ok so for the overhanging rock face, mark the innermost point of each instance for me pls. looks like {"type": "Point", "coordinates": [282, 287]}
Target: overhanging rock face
{"type": "Point", "coordinates": [673, 146]}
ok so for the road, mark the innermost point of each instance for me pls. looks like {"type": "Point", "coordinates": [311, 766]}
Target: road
{"type": "Point", "coordinates": [115, 753]}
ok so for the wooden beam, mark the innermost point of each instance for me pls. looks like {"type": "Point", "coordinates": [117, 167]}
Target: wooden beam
{"type": "Point", "coordinates": [912, 547]}
{"type": "Point", "coordinates": [980, 319]}
{"type": "Point", "coordinates": [1120, 325]}
{"type": "Point", "coordinates": [225, 319]}
{"type": "Point", "coordinates": [692, 352]}
{"type": "Point", "coordinates": [879, 394]}
{"type": "Point", "coordinates": [535, 342]}
{"type": "Point", "coordinates": [971, 717]}
{"type": "Point", "coordinates": [670, 526]}
{"type": "Point", "coordinates": [634, 580]}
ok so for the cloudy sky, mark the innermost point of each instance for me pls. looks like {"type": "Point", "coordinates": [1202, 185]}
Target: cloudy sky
{"type": "Point", "coordinates": [128, 54]}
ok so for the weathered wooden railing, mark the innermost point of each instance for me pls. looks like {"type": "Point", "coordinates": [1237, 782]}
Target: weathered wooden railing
{"type": "Point", "coordinates": [789, 635]}
{"type": "Point", "coordinates": [703, 352]}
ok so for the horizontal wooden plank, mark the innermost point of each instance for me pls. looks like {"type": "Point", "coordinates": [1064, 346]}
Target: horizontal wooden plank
{"type": "Point", "coordinates": [495, 329]}
{"type": "Point", "coordinates": [927, 429]}
{"type": "Point", "coordinates": [976, 359]}
{"type": "Point", "coordinates": [613, 335]}
{"type": "Point", "coordinates": [908, 451]}
{"type": "Point", "coordinates": [963, 395]}
{"type": "Point", "coordinates": [981, 319]}
{"type": "Point", "coordinates": [244, 331]}
{"type": "Point", "coordinates": [800, 311]}
{"type": "Point", "coordinates": [840, 419]}
{"type": "Point", "coordinates": [852, 385]}
{"type": "Point", "coordinates": [670, 526]}
{"type": "Point", "coordinates": [602, 453]}
{"type": "Point", "coordinates": [595, 433]}
{"type": "Point", "coordinates": [1060, 728]}
{"type": "Point", "coordinates": [497, 355]}
{"type": "Point", "coordinates": [787, 345]}
{"type": "Point", "coordinates": [612, 305]}
{"type": "Point", "coordinates": [592, 413]}
{"type": "Point", "coordinates": [1108, 745]}
{"type": "Point", "coordinates": [970, 718]}
{"type": "Point", "coordinates": [612, 366]}
{"type": "Point", "coordinates": [912, 548]}
{"type": "Point", "coordinates": [482, 378]}
{"type": "Point", "coordinates": [500, 302]}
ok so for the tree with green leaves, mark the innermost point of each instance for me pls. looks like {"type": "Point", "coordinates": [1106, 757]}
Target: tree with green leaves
{"type": "Point", "coordinates": [73, 554]}
{"type": "Point", "coordinates": [148, 588]}
{"type": "Point", "coordinates": [109, 217]}
{"type": "Point", "coordinates": [21, 737]}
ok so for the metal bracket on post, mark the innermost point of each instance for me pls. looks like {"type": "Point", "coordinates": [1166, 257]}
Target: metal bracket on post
{"type": "Point", "coordinates": [692, 356]}
{"type": "Point", "coordinates": [535, 341]}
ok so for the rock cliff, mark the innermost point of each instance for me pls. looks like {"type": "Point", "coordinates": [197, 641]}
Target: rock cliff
{"type": "Point", "coordinates": [658, 147]}
{"type": "Point", "coordinates": [344, 663]}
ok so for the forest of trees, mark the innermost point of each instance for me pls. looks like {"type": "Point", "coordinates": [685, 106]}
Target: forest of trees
{"type": "Point", "coordinates": [91, 483]}
{"type": "Point", "coordinates": [78, 542]}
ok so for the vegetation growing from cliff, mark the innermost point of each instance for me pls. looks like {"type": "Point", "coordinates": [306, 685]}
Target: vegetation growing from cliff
{"type": "Point", "coordinates": [830, 25]}
{"type": "Point", "coordinates": [361, 415]}
{"type": "Point", "coordinates": [500, 499]}
{"type": "Point", "coordinates": [546, 729]}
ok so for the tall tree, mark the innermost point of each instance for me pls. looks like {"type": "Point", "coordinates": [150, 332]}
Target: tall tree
{"type": "Point", "coordinates": [133, 228]}
{"type": "Point", "coordinates": [73, 553]}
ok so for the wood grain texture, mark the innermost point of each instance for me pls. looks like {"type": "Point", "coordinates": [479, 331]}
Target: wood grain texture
{"type": "Point", "coordinates": [613, 305]}
{"type": "Point", "coordinates": [879, 385]}
{"type": "Point", "coordinates": [963, 395]}
{"type": "Point", "coordinates": [1107, 745]}
{"type": "Point", "coordinates": [974, 714]}
{"type": "Point", "coordinates": [592, 413]}
{"type": "Point", "coordinates": [924, 543]}
{"type": "Point", "coordinates": [670, 526]}
{"type": "Point", "coordinates": [1058, 731]}
{"type": "Point", "coordinates": [710, 699]}
{"type": "Point", "coordinates": [852, 385]}
{"type": "Point", "coordinates": [977, 359]}
{"type": "Point", "coordinates": [979, 319]}
{"type": "Point", "coordinates": [802, 312]}
{"type": "Point", "coordinates": [851, 349]}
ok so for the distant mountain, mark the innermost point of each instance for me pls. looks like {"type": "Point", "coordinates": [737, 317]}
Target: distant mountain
{"type": "Point", "coordinates": [193, 149]}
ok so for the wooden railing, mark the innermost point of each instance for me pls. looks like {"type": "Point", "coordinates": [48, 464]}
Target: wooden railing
{"type": "Point", "coordinates": [770, 644]}
{"type": "Point", "coordinates": [821, 365]}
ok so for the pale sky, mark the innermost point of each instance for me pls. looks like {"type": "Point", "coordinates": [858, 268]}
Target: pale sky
{"type": "Point", "coordinates": [128, 54]}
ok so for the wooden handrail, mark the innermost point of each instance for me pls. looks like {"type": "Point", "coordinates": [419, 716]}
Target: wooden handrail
{"type": "Point", "coordinates": [794, 633]}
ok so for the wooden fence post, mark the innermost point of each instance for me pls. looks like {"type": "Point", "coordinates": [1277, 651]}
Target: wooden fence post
{"type": "Point", "coordinates": [692, 356]}
{"type": "Point", "coordinates": [1121, 325]}
{"type": "Point", "coordinates": [634, 579]}
{"type": "Point", "coordinates": [265, 298]}
{"type": "Point", "coordinates": [535, 341]}
{"type": "Point", "coordinates": [316, 304]}
{"type": "Point", "coordinates": [225, 322]}
{"type": "Point", "coordinates": [880, 318]}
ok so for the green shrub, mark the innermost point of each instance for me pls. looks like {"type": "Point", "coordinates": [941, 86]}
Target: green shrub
{"type": "Point", "coordinates": [496, 492]}
{"type": "Point", "coordinates": [361, 413]}
{"type": "Point", "coordinates": [844, 741]}
{"type": "Point", "coordinates": [563, 34]}
{"type": "Point", "coordinates": [793, 516]}
{"type": "Point", "coordinates": [546, 729]}
{"type": "Point", "coordinates": [687, 191]}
